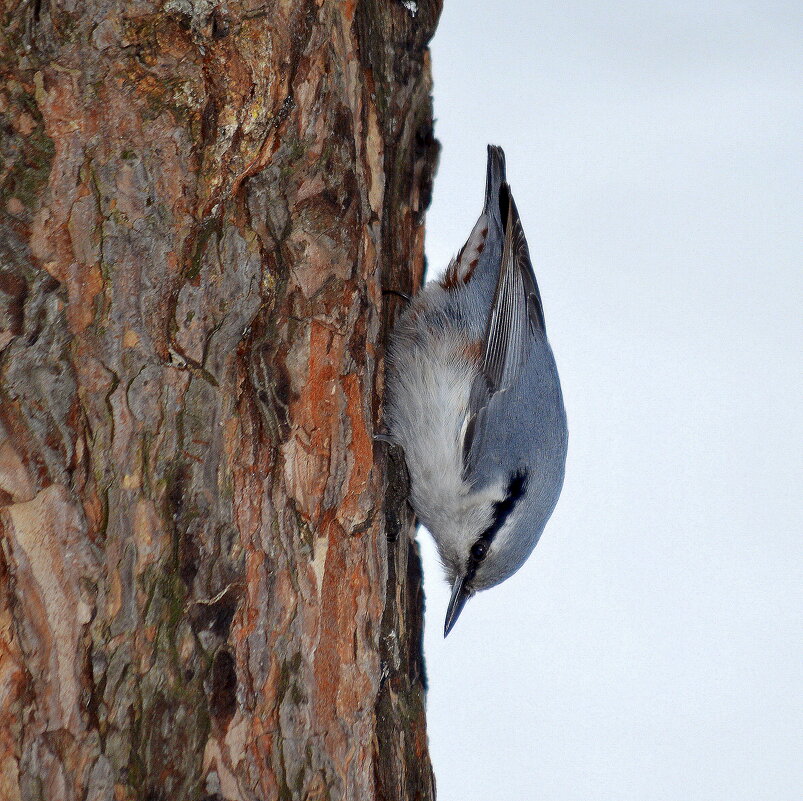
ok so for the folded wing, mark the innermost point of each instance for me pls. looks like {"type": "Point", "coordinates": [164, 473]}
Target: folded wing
{"type": "Point", "coordinates": [516, 316]}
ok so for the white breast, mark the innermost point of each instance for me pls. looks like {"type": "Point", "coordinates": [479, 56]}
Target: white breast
{"type": "Point", "coordinates": [429, 382]}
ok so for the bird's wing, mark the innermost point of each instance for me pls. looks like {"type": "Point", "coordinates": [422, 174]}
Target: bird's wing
{"type": "Point", "coordinates": [516, 314]}
{"type": "Point", "coordinates": [516, 311]}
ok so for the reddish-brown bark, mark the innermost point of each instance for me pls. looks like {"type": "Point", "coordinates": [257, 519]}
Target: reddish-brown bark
{"type": "Point", "coordinates": [208, 587]}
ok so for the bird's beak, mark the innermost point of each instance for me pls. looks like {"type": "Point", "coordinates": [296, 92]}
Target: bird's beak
{"type": "Point", "coordinates": [460, 594]}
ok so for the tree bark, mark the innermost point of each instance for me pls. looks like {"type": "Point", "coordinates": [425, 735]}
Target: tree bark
{"type": "Point", "coordinates": [208, 583]}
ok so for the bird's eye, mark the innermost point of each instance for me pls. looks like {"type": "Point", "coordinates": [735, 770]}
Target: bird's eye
{"type": "Point", "coordinates": [479, 550]}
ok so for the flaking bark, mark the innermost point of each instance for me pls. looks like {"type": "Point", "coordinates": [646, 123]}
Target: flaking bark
{"type": "Point", "coordinates": [205, 590]}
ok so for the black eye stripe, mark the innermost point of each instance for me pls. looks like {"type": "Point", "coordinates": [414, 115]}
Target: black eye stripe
{"type": "Point", "coordinates": [516, 488]}
{"type": "Point", "coordinates": [502, 509]}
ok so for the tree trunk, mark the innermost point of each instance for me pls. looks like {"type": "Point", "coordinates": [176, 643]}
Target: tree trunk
{"type": "Point", "coordinates": [208, 583]}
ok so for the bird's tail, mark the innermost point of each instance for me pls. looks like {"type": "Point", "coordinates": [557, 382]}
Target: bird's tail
{"type": "Point", "coordinates": [494, 181]}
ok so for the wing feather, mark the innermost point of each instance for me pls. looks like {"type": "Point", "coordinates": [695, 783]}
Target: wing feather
{"type": "Point", "coordinates": [516, 314]}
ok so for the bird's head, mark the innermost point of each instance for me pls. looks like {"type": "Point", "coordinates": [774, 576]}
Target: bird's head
{"type": "Point", "coordinates": [498, 534]}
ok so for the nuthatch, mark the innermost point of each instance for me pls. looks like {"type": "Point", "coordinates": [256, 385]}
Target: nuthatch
{"type": "Point", "coordinates": [474, 399]}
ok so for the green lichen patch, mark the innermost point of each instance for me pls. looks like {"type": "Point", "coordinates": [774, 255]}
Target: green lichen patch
{"type": "Point", "coordinates": [26, 152]}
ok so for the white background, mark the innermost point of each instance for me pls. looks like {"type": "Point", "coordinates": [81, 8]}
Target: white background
{"type": "Point", "coordinates": [651, 647]}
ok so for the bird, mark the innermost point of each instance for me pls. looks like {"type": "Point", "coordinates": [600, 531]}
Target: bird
{"type": "Point", "coordinates": [474, 400]}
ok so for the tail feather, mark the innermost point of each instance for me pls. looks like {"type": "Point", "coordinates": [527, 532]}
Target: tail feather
{"type": "Point", "coordinates": [489, 228]}
{"type": "Point", "coordinates": [494, 180]}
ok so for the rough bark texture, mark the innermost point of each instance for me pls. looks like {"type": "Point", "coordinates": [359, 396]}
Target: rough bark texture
{"type": "Point", "coordinates": [204, 591]}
